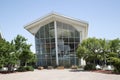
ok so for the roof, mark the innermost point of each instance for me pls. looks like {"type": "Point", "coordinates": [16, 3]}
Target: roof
{"type": "Point", "coordinates": [34, 26]}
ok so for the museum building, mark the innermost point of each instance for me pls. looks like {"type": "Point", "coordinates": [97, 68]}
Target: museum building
{"type": "Point", "coordinates": [57, 38]}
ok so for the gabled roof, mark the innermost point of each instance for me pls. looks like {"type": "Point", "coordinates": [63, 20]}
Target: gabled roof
{"type": "Point", "coordinates": [34, 26]}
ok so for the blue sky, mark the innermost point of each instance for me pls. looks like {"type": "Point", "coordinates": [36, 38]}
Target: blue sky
{"type": "Point", "coordinates": [103, 16]}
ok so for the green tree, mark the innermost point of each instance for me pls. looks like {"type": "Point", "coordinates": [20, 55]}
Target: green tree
{"type": "Point", "coordinates": [89, 49]}
{"type": "Point", "coordinates": [114, 55]}
{"type": "Point", "coordinates": [19, 43]}
{"type": "Point", "coordinates": [115, 45]}
{"type": "Point", "coordinates": [2, 52]}
{"type": "Point", "coordinates": [7, 55]}
{"type": "Point", "coordinates": [23, 51]}
{"type": "Point", "coordinates": [16, 51]}
{"type": "Point", "coordinates": [26, 56]}
{"type": "Point", "coordinates": [82, 52]}
{"type": "Point", "coordinates": [105, 50]}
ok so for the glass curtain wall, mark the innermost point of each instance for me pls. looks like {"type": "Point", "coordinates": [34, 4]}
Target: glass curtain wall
{"type": "Point", "coordinates": [45, 45]}
{"type": "Point", "coordinates": [68, 39]}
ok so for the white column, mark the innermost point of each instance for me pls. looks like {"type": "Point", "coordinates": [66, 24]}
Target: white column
{"type": "Point", "coordinates": [56, 44]}
{"type": "Point", "coordinates": [80, 60]}
{"type": "Point", "coordinates": [80, 36]}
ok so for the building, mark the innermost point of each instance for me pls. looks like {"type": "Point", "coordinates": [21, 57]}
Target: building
{"type": "Point", "coordinates": [57, 38]}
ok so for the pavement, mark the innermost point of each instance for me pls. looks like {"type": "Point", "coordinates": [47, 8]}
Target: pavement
{"type": "Point", "coordinates": [55, 74]}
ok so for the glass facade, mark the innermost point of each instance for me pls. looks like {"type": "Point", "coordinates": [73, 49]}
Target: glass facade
{"type": "Point", "coordinates": [67, 42]}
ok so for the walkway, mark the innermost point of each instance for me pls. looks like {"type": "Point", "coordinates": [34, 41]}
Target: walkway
{"type": "Point", "coordinates": [65, 74]}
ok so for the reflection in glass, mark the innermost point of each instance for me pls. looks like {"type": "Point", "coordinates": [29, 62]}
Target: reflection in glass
{"type": "Point", "coordinates": [68, 39]}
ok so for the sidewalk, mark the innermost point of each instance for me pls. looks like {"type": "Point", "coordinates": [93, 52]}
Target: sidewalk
{"type": "Point", "coordinates": [55, 74]}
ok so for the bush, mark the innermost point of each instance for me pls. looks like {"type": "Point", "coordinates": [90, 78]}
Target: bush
{"type": "Point", "coordinates": [27, 68]}
{"type": "Point", "coordinates": [89, 67]}
{"type": "Point", "coordinates": [21, 69]}
{"type": "Point", "coordinates": [116, 64]}
{"type": "Point", "coordinates": [117, 69]}
{"type": "Point", "coordinates": [0, 66]}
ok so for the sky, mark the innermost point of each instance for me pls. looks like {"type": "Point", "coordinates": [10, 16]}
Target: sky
{"type": "Point", "coordinates": [103, 16]}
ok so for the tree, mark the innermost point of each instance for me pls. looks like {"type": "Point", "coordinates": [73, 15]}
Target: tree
{"type": "Point", "coordinates": [89, 49]}
{"type": "Point", "coordinates": [19, 43]}
{"type": "Point", "coordinates": [93, 49]}
{"type": "Point", "coordinates": [115, 45]}
{"type": "Point", "coordinates": [15, 51]}
{"type": "Point", "coordinates": [2, 52]}
{"type": "Point", "coordinates": [7, 55]}
{"type": "Point", "coordinates": [82, 52]}
{"type": "Point", "coordinates": [114, 55]}
{"type": "Point", "coordinates": [105, 50]}
{"type": "Point", "coordinates": [23, 51]}
{"type": "Point", "coordinates": [26, 56]}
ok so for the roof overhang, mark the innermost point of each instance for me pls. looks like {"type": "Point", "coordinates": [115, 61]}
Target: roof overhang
{"type": "Point", "coordinates": [34, 26]}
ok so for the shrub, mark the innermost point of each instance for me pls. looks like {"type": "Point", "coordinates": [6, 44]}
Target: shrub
{"type": "Point", "coordinates": [89, 67]}
{"type": "Point", "coordinates": [117, 68]}
{"type": "Point", "coordinates": [116, 64]}
{"type": "Point", "coordinates": [29, 68]}
{"type": "Point", "coordinates": [21, 69]}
